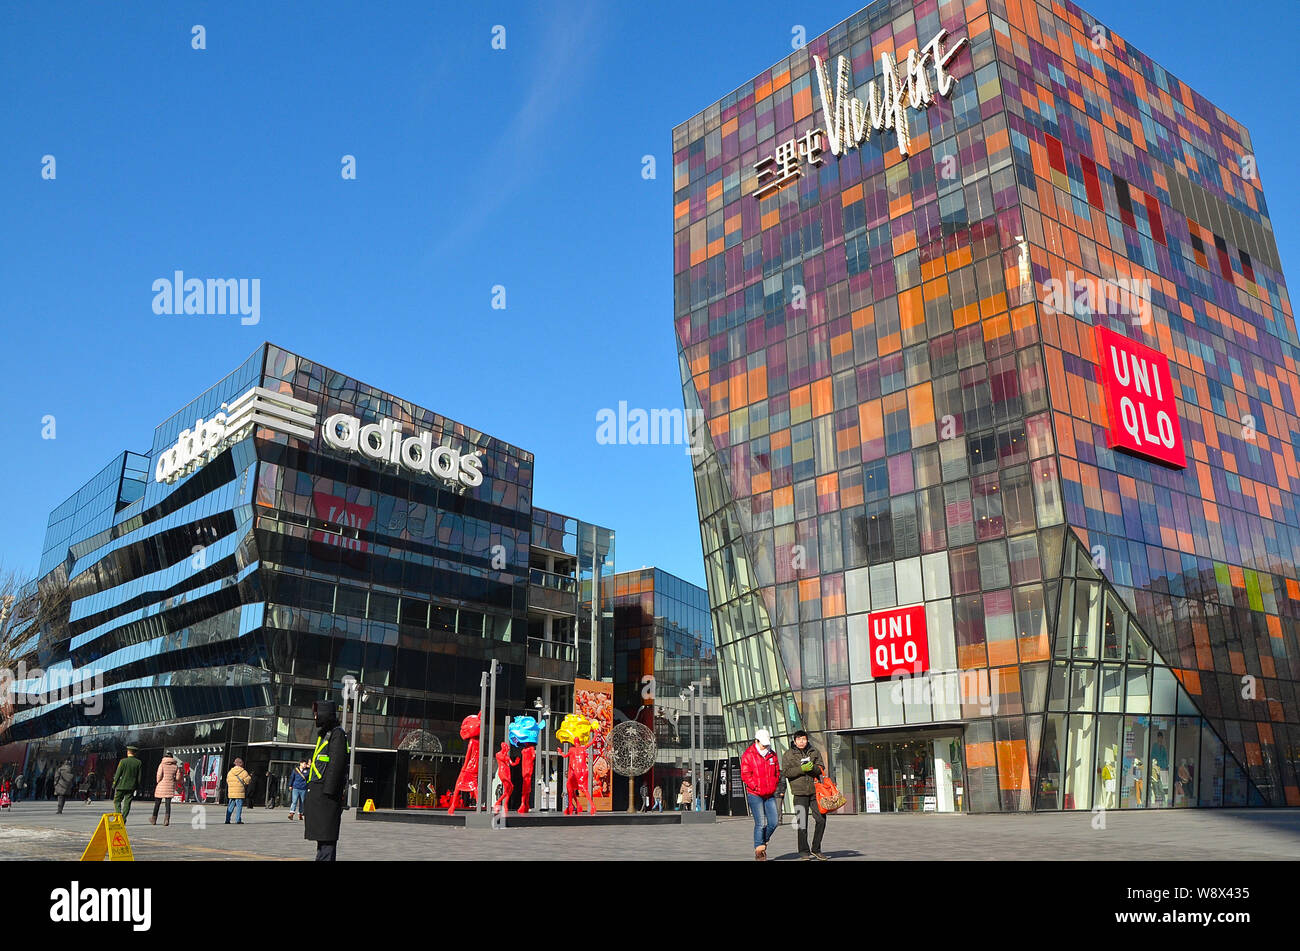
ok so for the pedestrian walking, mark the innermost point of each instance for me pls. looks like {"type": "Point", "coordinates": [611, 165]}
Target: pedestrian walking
{"type": "Point", "coordinates": [165, 778]}
{"type": "Point", "coordinates": [88, 786]}
{"type": "Point", "coordinates": [126, 780]}
{"type": "Point", "coordinates": [684, 796]}
{"type": "Point", "coordinates": [326, 780]}
{"type": "Point", "coordinates": [802, 765]}
{"type": "Point", "coordinates": [645, 798]}
{"type": "Point", "coordinates": [760, 771]}
{"type": "Point", "coordinates": [65, 783]}
{"type": "Point", "coordinates": [297, 789]}
{"type": "Point", "coordinates": [20, 786]}
{"type": "Point", "coordinates": [658, 805]}
{"type": "Point", "coordinates": [237, 783]}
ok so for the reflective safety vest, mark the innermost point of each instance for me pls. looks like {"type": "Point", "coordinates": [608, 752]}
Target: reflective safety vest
{"type": "Point", "coordinates": [321, 759]}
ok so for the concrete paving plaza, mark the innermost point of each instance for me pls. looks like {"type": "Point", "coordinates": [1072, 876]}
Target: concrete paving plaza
{"type": "Point", "coordinates": [32, 831]}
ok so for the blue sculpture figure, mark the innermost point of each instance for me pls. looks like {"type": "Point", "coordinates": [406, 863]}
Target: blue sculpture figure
{"type": "Point", "coordinates": [525, 730]}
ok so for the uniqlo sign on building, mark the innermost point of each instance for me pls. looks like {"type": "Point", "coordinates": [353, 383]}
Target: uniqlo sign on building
{"type": "Point", "coordinates": [1138, 392]}
{"type": "Point", "coordinates": [899, 643]}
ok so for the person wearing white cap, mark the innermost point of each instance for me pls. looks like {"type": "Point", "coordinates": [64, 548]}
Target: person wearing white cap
{"type": "Point", "coordinates": [760, 771]}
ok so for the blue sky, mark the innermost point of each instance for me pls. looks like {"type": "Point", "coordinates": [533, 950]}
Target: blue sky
{"type": "Point", "coordinates": [475, 167]}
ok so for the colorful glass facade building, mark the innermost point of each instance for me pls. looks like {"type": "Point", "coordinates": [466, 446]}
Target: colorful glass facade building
{"type": "Point", "coordinates": [913, 401]}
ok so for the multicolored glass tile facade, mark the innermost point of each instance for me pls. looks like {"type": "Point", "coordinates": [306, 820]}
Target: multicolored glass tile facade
{"type": "Point", "coordinates": [896, 358]}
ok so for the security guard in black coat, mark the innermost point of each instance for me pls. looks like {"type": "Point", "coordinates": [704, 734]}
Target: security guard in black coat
{"type": "Point", "coordinates": [327, 778]}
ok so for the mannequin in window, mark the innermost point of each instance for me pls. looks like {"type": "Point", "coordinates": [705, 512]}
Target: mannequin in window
{"type": "Point", "coordinates": [1108, 779]}
{"type": "Point", "coordinates": [1138, 775]}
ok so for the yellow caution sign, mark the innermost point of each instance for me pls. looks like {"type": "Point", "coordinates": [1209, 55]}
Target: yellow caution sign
{"type": "Point", "coordinates": [370, 806]}
{"type": "Point", "coordinates": [110, 839]}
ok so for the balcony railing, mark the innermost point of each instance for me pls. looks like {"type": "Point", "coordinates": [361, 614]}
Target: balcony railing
{"type": "Point", "coordinates": [553, 650]}
{"type": "Point", "coordinates": [549, 579]}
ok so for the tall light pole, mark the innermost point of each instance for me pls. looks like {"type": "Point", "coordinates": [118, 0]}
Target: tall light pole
{"type": "Point", "coordinates": [688, 696]}
{"type": "Point", "coordinates": [494, 668]}
{"type": "Point", "coordinates": [359, 694]}
{"type": "Point", "coordinates": [482, 710]}
{"type": "Point", "coordinates": [349, 688]}
{"type": "Point", "coordinates": [701, 685]}
{"type": "Point", "coordinates": [543, 719]}
{"type": "Point", "coordinates": [349, 693]}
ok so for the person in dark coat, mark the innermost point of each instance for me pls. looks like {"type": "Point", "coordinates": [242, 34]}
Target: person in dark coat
{"type": "Point", "coordinates": [65, 783]}
{"type": "Point", "coordinates": [801, 764]}
{"type": "Point", "coordinates": [327, 778]}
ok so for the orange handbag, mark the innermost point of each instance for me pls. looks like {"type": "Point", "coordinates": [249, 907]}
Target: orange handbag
{"type": "Point", "coordinates": [828, 794]}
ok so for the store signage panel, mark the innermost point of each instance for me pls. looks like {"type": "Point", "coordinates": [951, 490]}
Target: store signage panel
{"type": "Point", "coordinates": [899, 641]}
{"type": "Point", "coordinates": [259, 406]}
{"type": "Point", "coordinates": [382, 441]}
{"type": "Point", "coordinates": [1138, 394]}
{"type": "Point", "coordinates": [848, 120]}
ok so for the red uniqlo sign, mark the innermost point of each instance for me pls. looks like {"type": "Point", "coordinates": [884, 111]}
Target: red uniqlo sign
{"type": "Point", "coordinates": [1141, 415]}
{"type": "Point", "coordinates": [898, 641]}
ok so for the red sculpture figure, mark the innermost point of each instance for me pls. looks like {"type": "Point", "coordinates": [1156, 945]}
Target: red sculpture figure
{"type": "Point", "coordinates": [527, 756]}
{"type": "Point", "coordinates": [576, 783]}
{"type": "Point", "coordinates": [467, 781]}
{"type": "Point", "coordinates": [504, 762]}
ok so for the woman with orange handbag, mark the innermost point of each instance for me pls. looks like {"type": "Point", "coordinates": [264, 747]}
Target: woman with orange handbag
{"type": "Point", "coordinates": [802, 766]}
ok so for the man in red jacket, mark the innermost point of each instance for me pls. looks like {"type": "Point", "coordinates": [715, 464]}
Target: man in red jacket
{"type": "Point", "coordinates": [760, 771]}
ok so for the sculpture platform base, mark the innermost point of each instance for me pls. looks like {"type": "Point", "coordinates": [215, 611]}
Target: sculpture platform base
{"type": "Point", "coordinates": [468, 819]}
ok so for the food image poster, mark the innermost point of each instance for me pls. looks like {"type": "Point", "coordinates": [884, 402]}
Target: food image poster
{"type": "Point", "coordinates": [595, 699]}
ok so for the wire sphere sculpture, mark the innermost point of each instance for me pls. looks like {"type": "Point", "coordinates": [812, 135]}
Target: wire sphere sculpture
{"type": "Point", "coordinates": [633, 748]}
{"type": "Point", "coordinates": [420, 741]}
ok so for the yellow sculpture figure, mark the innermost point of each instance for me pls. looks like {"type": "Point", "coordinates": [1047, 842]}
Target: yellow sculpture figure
{"type": "Point", "coordinates": [576, 728]}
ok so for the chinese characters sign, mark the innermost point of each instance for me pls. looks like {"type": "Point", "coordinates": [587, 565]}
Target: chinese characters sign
{"type": "Point", "coordinates": [899, 641]}
{"type": "Point", "coordinates": [1138, 393]}
{"type": "Point", "coordinates": [777, 171]}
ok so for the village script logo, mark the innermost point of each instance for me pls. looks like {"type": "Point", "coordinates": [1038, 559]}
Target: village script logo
{"type": "Point", "coordinates": [260, 407]}
{"type": "Point", "coordinates": [849, 120]}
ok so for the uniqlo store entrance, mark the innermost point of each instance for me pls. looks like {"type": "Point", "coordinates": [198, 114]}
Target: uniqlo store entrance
{"type": "Point", "coordinates": [909, 772]}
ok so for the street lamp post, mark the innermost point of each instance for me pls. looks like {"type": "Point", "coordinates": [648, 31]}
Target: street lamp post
{"type": "Point", "coordinates": [349, 688]}
{"type": "Point", "coordinates": [697, 688]}
{"type": "Point", "coordinates": [359, 694]}
{"type": "Point", "coordinates": [494, 668]}
{"type": "Point", "coordinates": [482, 709]}
{"type": "Point", "coordinates": [688, 696]}
{"type": "Point", "coordinates": [543, 718]}
{"type": "Point", "coordinates": [349, 693]}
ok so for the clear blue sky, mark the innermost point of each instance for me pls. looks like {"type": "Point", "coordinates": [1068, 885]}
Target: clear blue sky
{"type": "Point", "coordinates": [475, 168]}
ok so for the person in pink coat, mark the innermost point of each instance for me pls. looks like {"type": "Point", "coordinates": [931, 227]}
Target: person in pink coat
{"type": "Point", "coordinates": [166, 788]}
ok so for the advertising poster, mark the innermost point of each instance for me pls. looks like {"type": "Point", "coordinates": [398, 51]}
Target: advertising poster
{"type": "Point", "coordinates": [208, 781]}
{"type": "Point", "coordinates": [595, 699]}
{"type": "Point", "coordinates": [339, 511]}
{"type": "Point", "coordinates": [871, 795]}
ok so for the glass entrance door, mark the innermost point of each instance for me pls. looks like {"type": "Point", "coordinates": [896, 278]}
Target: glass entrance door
{"type": "Point", "coordinates": [910, 774]}
{"type": "Point", "coordinates": [913, 776]}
